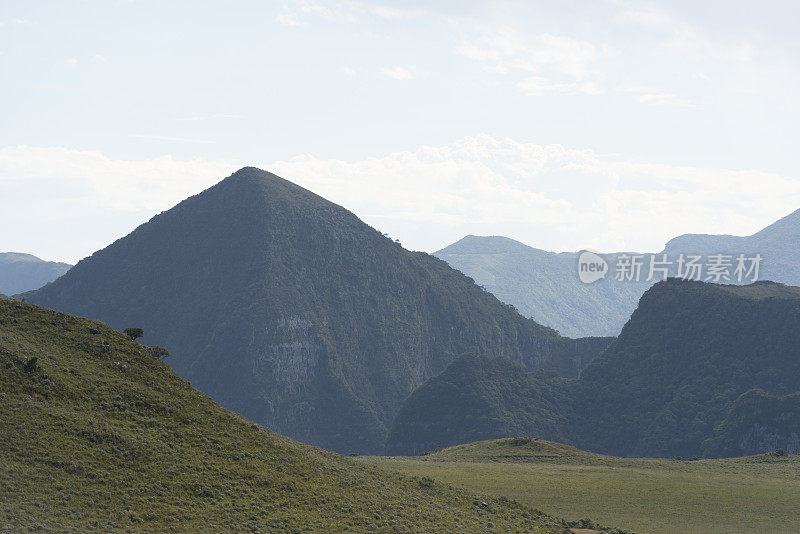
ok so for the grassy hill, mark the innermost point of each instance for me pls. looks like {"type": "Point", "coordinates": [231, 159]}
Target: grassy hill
{"type": "Point", "coordinates": [744, 495]}
{"type": "Point", "coordinates": [288, 309]}
{"type": "Point", "coordinates": [98, 436]}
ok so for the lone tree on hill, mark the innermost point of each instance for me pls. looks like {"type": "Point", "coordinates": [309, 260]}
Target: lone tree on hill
{"type": "Point", "coordinates": [159, 352]}
{"type": "Point", "coordinates": [133, 333]}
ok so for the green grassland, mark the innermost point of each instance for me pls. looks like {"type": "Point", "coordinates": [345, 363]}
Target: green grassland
{"type": "Point", "coordinates": [752, 494]}
{"type": "Point", "coordinates": [98, 435]}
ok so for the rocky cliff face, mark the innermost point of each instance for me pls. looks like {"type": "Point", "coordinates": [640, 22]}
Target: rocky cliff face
{"type": "Point", "coordinates": [288, 309]}
{"type": "Point", "coordinates": [758, 423]}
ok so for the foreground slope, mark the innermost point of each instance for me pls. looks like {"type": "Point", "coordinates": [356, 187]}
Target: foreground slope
{"type": "Point", "coordinates": [23, 272]}
{"type": "Point", "coordinates": [98, 435]}
{"type": "Point", "coordinates": [744, 495]}
{"type": "Point", "coordinates": [288, 309]}
{"type": "Point", "coordinates": [688, 352]}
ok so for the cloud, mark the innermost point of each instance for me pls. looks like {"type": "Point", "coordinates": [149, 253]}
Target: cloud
{"type": "Point", "coordinates": [539, 86]}
{"type": "Point", "coordinates": [559, 64]}
{"type": "Point", "coordinates": [655, 96]}
{"type": "Point", "coordinates": [506, 50]}
{"type": "Point", "coordinates": [71, 62]}
{"type": "Point", "coordinates": [287, 19]}
{"type": "Point", "coordinates": [398, 73]}
{"type": "Point", "coordinates": [170, 138]}
{"type": "Point", "coordinates": [548, 196]}
{"type": "Point", "coordinates": [393, 13]}
{"type": "Point", "coordinates": [690, 42]}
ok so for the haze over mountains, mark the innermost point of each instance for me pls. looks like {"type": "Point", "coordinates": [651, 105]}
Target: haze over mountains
{"type": "Point", "coordinates": [288, 309]}
{"type": "Point", "coordinates": [688, 352]}
{"type": "Point", "coordinates": [22, 272]}
{"type": "Point", "coordinates": [545, 286]}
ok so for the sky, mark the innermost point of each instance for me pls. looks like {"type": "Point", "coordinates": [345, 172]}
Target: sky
{"type": "Point", "coordinates": [610, 125]}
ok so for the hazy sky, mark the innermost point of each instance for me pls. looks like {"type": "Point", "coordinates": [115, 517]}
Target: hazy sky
{"type": "Point", "coordinates": [601, 124]}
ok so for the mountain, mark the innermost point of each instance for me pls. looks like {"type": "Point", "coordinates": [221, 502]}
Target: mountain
{"type": "Point", "coordinates": [99, 436]}
{"type": "Point", "coordinates": [23, 272]}
{"type": "Point", "coordinates": [777, 244]}
{"type": "Point", "coordinates": [688, 352]}
{"type": "Point", "coordinates": [477, 398]}
{"type": "Point", "coordinates": [757, 422]}
{"type": "Point", "coordinates": [545, 286]}
{"type": "Point", "coordinates": [286, 308]}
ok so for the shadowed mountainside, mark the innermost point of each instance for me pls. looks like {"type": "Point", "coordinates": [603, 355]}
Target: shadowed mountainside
{"type": "Point", "coordinates": [288, 309]}
{"type": "Point", "coordinates": [688, 352]}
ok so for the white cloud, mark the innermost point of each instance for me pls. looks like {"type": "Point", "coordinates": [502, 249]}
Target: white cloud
{"type": "Point", "coordinates": [287, 19]}
{"type": "Point", "coordinates": [559, 64]}
{"type": "Point", "coordinates": [71, 62]}
{"type": "Point", "coordinates": [169, 137]}
{"type": "Point", "coordinates": [690, 42]}
{"type": "Point", "coordinates": [505, 50]}
{"type": "Point", "coordinates": [548, 196]}
{"type": "Point", "coordinates": [655, 96]}
{"type": "Point", "coordinates": [393, 13]}
{"type": "Point", "coordinates": [540, 86]}
{"type": "Point", "coordinates": [398, 73]}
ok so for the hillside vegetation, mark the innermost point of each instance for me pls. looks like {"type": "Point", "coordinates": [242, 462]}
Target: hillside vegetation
{"type": "Point", "coordinates": [99, 436]}
{"type": "Point", "coordinates": [757, 421]}
{"type": "Point", "coordinates": [648, 496]}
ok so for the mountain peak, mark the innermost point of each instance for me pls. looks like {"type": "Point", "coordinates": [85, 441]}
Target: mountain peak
{"type": "Point", "coordinates": [490, 244]}
{"type": "Point", "coordinates": [287, 308]}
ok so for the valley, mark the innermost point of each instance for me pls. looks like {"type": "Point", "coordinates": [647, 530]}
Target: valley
{"type": "Point", "coordinates": [741, 495]}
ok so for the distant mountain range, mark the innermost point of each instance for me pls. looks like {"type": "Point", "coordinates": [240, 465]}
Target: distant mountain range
{"type": "Point", "coordinates": [288, 309]}
{"type": "Point", "coordinates": [545, 286]}
{"type": "Point", "coordinates": [689, 351]}
{"type": "Point", "coordinates": [23, 272]}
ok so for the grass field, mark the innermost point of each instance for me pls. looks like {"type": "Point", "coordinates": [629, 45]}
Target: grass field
{"type": "Point", "coordinates": [754, 494]}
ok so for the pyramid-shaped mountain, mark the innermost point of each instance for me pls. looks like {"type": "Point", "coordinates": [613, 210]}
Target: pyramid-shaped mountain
{"type": "Point", "coordinates": [287, 308]}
